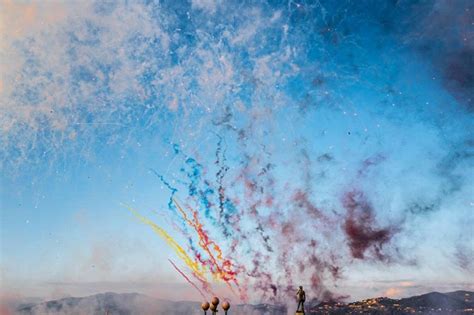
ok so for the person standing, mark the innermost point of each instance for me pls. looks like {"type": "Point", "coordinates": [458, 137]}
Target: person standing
{"type": "Point", "coordinates": [301, 297]}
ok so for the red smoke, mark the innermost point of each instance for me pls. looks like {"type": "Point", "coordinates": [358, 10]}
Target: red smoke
{"type": "Point", "coordinates": [361, 230]}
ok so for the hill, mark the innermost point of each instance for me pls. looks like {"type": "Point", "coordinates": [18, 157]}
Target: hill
{"type": "Point", "coordinates": [131, 304]}
{"type": "Point", "coordinates": [458, 302]}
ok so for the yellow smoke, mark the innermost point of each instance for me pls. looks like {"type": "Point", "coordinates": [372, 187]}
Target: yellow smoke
{"type": "Point", "coordinates": [180, 252]}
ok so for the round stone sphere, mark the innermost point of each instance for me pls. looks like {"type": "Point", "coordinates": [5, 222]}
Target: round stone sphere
{"type": "Point", "coordinates": [213, 307]}
{"type": "Point", "coordinates": [225, 306]}
{"type": "Point", "coordinates": [205, 306]}
{"type": "Point", "coordinates": [215, 301]}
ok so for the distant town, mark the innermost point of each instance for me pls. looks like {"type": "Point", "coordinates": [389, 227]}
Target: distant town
{"type": "Point", "coordinates": [459, 302]}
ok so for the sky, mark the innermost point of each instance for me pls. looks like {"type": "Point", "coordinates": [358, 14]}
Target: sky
{"type": "Point", "coordinates": [237, 148]}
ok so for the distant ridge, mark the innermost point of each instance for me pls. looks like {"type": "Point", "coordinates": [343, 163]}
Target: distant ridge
{"type": "Point", "coordinates": [133, 304]}
{"type": "Point", "coordinates": [458, 302]}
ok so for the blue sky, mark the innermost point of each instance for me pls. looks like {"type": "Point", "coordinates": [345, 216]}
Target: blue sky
{"type": "Point", "coordinates": [330, 100]}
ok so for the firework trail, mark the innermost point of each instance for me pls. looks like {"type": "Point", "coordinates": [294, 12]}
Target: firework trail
{"type": "Point", "coordinates": [186, 278]}
{"type": "Point", "coordinates": [168, 185]}
{"type": "Point", "coordinates": [297, 238]}
{"type": "Point", "coordinates": [223, 168]}
{"type": "Point", "coordinates": [196, 187]}
{"type": "Point", "coordinates": [196, 268]}
{"type": "Point", "coordinates": [220, 267]}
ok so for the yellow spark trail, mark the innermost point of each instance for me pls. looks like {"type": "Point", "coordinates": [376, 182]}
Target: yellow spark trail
{"type": "Point", "coordinates": [180, 252]}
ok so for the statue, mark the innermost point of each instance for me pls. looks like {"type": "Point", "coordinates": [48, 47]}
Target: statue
{"type": "Point", "coordinates": [225, 306]}
{"type": "Point", "coordinates": [213, 306]}
{"type": "Point", "coordinates": [301, 297]}
{"type": "Point", "coordinates": [205, 307]}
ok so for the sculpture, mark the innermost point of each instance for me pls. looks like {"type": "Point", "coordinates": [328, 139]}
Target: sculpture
{"type": "Point", "coordinates": [205, 307]}
{"type": "Point", "coordinates": [225, 307]}
{"type": "Point", "coordinates": [213, 306]}
{"type": "Point", "coordinates": [301, 297]}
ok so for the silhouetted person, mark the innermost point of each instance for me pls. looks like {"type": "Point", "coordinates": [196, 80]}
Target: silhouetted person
{"type": "Point", "coordinates": [301, 297]}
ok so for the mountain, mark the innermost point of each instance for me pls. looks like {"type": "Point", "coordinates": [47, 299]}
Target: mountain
{"type": "Point", "coordinates": [454, 300]}
{"type": "Point", "coordinates": [458, 302]}
{"type": "Point", "coordinates": [120, 304]}
{"type": "Point", "coordinates": [131, 304]}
